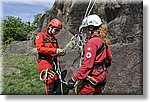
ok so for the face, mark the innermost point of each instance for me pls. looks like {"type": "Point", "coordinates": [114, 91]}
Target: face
{"type": "Point", "coordinates": [53, 30]}
{"type": "Point", "coordinates": [88, 30]}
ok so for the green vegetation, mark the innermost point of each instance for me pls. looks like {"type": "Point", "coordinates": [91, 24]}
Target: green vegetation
{"type": "Point", "coordinates": [14, 29]}
{"type": "Point", "coordinates": [36, 19]}
{"type": "Point", "coordinates": [25, 82]}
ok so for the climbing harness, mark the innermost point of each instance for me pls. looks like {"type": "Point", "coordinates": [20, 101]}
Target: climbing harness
{"type": "Point", "coordinates": [56, 65]}
{"type": "Point", "coordinates": [58, 71]}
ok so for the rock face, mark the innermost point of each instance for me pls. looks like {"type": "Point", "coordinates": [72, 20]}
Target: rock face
{"type": "Point", "coordinates": [126, 72]}
{"type": "Point", "coordinates": [125, 22]}
{"type": "Point", "coordinates": [18, 47]}
{"type": "Point", "coordinates": [124, 18]}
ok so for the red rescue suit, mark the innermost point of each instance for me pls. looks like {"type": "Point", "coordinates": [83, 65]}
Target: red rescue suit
{"type": "Point", "coordinates": [90, 60]}
{"type": "Point", "coordinates": [46, 45]}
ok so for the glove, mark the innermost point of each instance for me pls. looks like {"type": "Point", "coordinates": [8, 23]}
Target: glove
{"type": "Point", "coordinates": [107, 64]}
{"type": "Point", "coordinates": [71, 84]}
{"type": "Point", "coordinates": [60, 51]}
{"type": "Point", "coordinates": [72, 44]}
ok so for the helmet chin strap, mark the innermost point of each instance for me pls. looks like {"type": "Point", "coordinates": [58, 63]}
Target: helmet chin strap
{"type": "Point", "coordinates": [92, 32]}
{"type": "Point", "coordinates": [51, 30]}
{"type": "Point", "coordinates": [91, 29]}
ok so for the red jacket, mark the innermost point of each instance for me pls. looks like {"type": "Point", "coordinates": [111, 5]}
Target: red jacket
{"type": "Point", "coordinates": [46, 45]}
{"type": "Point", "coordinates": [90, 57]}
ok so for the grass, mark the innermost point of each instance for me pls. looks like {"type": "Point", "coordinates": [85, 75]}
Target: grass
{"type": "Point", "coordinates": [26, 82]}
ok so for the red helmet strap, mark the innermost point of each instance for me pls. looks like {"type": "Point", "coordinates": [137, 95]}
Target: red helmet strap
{"type": "Point", "coordinates": [50, 30]}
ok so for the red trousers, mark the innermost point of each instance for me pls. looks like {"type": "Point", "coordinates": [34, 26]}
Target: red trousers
{"type": "Point", "coordinates": [87, 89]}
{"type": "Point", "coordinates": [51, 83]}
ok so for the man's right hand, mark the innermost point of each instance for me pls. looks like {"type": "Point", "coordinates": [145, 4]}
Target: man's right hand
{"type": "Point", "coordinates": [60, 51]}
{"type": "Point", "coordinates": [71, 84]}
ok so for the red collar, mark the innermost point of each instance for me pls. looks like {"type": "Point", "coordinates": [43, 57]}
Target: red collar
{"type": "Point", "coordinates": [48, 34]}
{"type": "Point", "coordinates": [94, 34]}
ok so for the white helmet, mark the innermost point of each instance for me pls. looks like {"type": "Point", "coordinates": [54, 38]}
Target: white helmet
{"type": "Point", "coordinates": [91, 20]}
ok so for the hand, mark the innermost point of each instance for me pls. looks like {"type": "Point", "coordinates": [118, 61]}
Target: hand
{"type": "Point", "coordinates": [60, 51]}
{"type": "Point", "coordinates": [72, 44]}
{"type": "Point", "coordinates": [71, 84]}
{"type": "Point", "coordinates": [107, 64]}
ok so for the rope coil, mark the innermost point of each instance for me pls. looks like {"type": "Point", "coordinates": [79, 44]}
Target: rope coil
{"type": "Point", "coordinates": [46, 73]}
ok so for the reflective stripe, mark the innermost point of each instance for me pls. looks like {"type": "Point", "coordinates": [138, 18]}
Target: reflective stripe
{"type": "Point", "coordinates": [91, 80]}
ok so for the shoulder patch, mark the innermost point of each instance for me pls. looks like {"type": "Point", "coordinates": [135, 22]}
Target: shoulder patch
{"type": "Point", "coordinates": [88, 55]}
{"type": "Point", "coordinates": [37, 37]}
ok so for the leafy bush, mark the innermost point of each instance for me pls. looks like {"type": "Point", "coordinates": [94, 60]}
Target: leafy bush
{"type": "Point", "coordinates": [15, 29]}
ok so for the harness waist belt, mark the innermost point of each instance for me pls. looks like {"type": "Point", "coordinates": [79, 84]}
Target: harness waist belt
{"type": "Point", "coordinates": [43, 57]}
{"type": "Point", "coordinates": [97, 66]}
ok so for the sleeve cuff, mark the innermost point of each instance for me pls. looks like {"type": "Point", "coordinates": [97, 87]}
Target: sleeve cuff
{"type": "Point", "coordinates": [74, 79]}
{"type": "Point", "coordinates": [55, 50]}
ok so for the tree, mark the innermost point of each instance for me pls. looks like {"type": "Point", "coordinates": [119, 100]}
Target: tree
{"type": "Point", "coordinates": [36, 19]}
{"type": "Point", "coordinates": [14, 29]}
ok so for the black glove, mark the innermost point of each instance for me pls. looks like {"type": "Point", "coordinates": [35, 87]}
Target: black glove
{"type": "Point", "coordinates": [107, 64]}
{"type": "Point", "coordinates": [71, 84]}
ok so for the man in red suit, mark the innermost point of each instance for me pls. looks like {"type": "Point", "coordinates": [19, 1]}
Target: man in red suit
{"type": "Point", "coordinates": [48, 50]}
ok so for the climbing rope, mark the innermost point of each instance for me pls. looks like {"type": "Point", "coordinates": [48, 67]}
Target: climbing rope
{"type": "Point", "coordinates": [45, 73]}
{"type": "Point", "coordinates": [87, 10]}
{"type": "Point", "coordinates": [48, 72]}
{"type": "Point", "coordinates": [77, 40]}
{"type": "Point", "coordinates": [91, 8]}
{"type": "Point", "coordinates": [58, 71]}
{"type": "Point", "coordinates": [82, 45]}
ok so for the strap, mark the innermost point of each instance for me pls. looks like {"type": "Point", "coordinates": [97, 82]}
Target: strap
{"type": "Point", "coordinates": [52, 41]}
{"type": "Point", "coordinates": [97, 66]}
{"type": "Point", "coordinates": [49, 40]}
{"type": "Point", "coordinates": [43, 57]}
{"type": "Point", "coordinates": [101, 48]}
{"type": "Point", "coordinates": [92, 80]}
